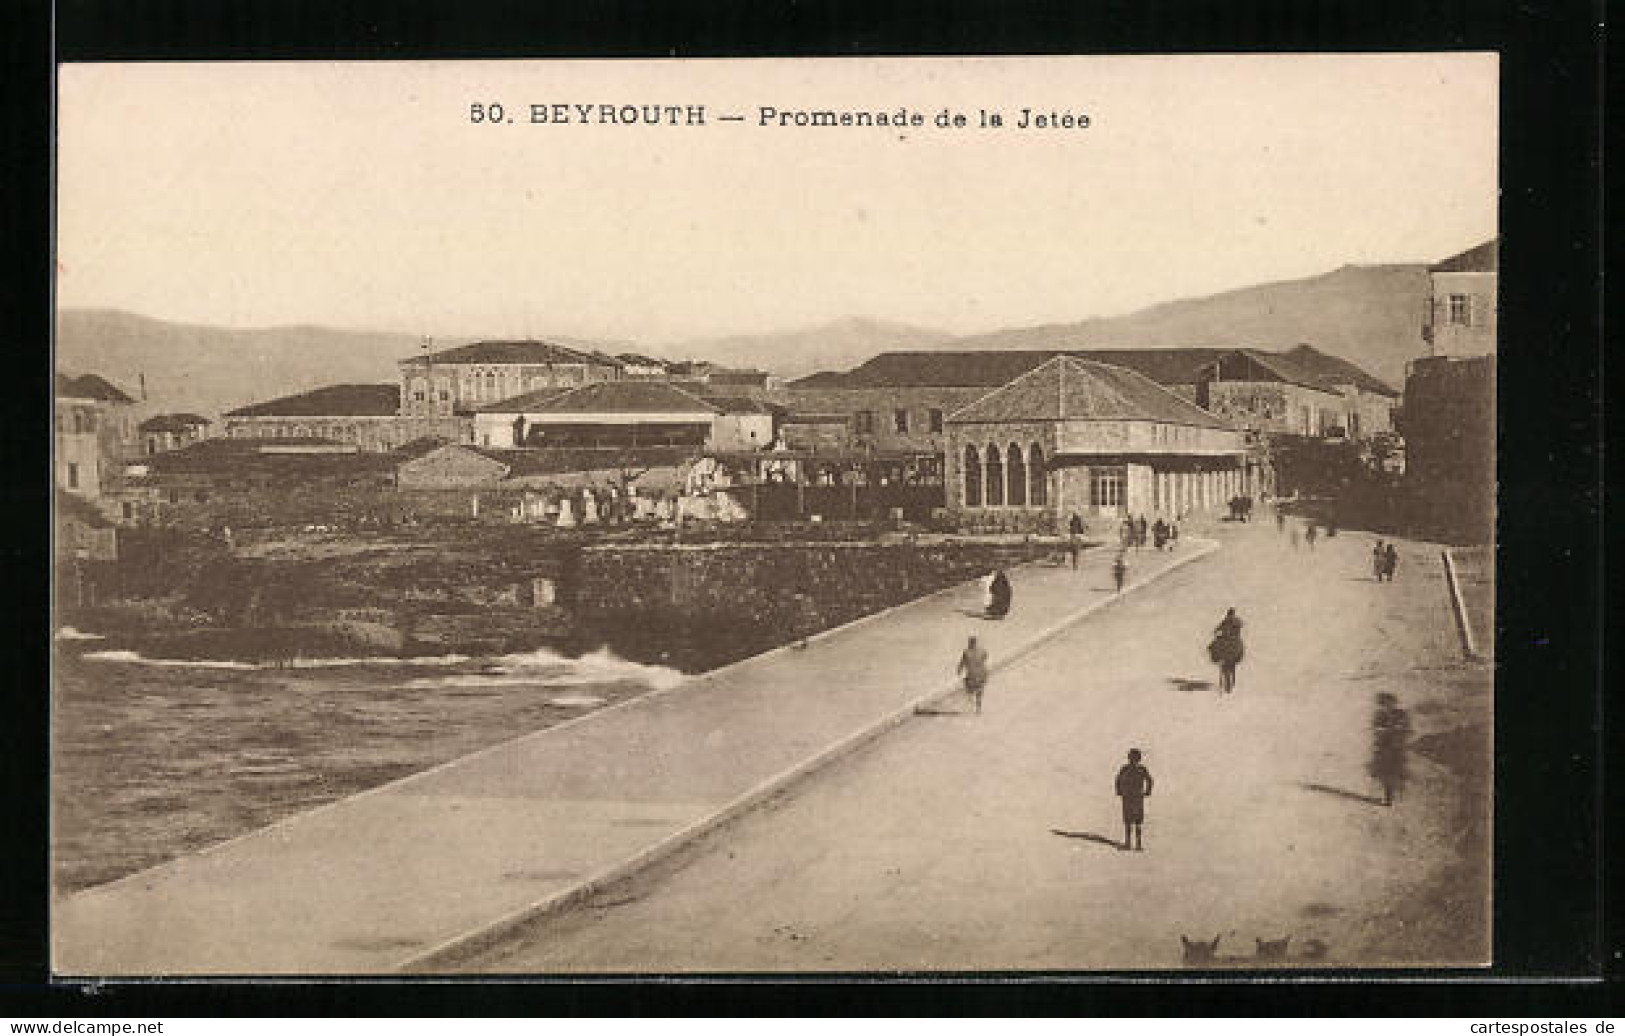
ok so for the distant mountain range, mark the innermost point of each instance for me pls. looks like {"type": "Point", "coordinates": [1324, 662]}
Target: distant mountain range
{"type": "Point", "coordinates": [1370, 315]}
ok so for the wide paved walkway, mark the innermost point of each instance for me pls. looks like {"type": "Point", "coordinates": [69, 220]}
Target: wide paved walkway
{"type": "Point", "coordinates": [987, 842]}
{"type": "Point", "coordinates": [421, 872]}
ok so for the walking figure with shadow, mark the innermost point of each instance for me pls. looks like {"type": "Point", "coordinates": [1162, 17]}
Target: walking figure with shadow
{"type": "Point", "coordinates": [1134, 787]}
{"type": "Point", "coordinates": [1226, 650]}
{"type": "Point", "coordinates": [1390, 734]}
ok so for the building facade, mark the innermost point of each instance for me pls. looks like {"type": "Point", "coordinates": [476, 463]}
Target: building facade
{"type": "Point", "coordinates": [1462, 304]}
{"type": "Point", "coordinates": [624, 413]}
{"type": "Point", "coordinates": [457, 382]}
{"type": "Point", "coordinates": [1078, 437]}
{"type": "Point", "coordinates": [363, 416]}
{"type": "Point", "coordinates": [165, 432]}
{"type": "Point", "coordinates": [95, 429]}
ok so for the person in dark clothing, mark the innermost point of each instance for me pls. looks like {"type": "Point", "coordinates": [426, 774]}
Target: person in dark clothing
{"type": "Point", "coordinates": [1134, 787]}
{"type": "Point", "coordinates": [1379, 561]}
{"type": "Point", "coordinates": [1390, 561]}
{"type": "Point", "coordinates": [1119, 571]}
{"type": "Point", "coordinates": [1309, 535]}
{"type": "Point", "coordinates": [1075, 527]}
{"type": "Point", "coordinates": [1140, 528]}
{"type": "Point", "coordinates": [1226, 650]}
{"type": "Point", "coordinates": [1390, 735]}
{"type": "Point", "coordinates": [1159, 534]}
{"type": "Point", "coordinates": [998, 605]}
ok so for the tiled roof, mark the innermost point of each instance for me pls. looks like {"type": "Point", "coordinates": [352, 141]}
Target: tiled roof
{"type": "Point", "coordinates": [989, 368]}
{"type": "Point", "coordinates": [1335, 370]}
{"type": "Point", "coordinates": [226, 456]}
{"type": "Point", "coordinates": [331, 401]}
{"type": "Point", "coordinates": [172, 423]}
{"type": "Point", "coordinates": [1484, 258]}
{"type": "Point", "coordinates": [639, 360]}
{"type": "Point", "coordinates": [612, 397]}
{"type": "Point", "coordinates": [523, 402]}
{"type": "Point", "coordinates": [526, 351]}
{"type": "Point", "coordinates": [562, 461]}
{"type": "Point", "coordinates": [89, 386]}
{"type": "Point", "coordinates": [1070, 389]}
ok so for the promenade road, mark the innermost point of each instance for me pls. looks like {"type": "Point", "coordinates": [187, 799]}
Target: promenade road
{"type": "Point", "coordinates": [986, 842]}
{"type": "Point", "coordinates": [400, 875]}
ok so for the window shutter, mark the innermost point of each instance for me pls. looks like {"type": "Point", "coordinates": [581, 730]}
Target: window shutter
{"type": "Point", "coordinates": [1478, 315]}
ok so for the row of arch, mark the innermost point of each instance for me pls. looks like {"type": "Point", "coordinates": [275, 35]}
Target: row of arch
{"type": "Point", "coordinates": [1007, 477]}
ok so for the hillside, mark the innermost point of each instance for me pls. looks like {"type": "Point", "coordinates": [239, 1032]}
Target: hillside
{"type": "Point", "coordinates": [208, 370]}
{"type": "Point", "coordinates": [791, 354]}
{"type": "Point", "coordinates": [1369, 315]}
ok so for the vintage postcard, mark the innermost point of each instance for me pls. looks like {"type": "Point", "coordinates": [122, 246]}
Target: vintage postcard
{"type": "Point", "coordinates": [774, 516]}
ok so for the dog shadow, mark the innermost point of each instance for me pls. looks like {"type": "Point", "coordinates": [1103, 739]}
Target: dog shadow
{"type": "Point", "coordinates": [1087, 836]}
{"type": "Point", "coordinates": [1326, 789]}
{"type": "Point", "coordinates": [1189, 686]}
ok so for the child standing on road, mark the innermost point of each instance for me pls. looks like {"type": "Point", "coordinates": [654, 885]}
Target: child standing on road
{"type": "Point", "coordinates": [1119, 572]}
{"type": "Point", "coordinates": [1134, 787]}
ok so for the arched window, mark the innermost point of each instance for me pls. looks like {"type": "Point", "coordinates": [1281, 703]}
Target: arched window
{"type": "Point", "coordinates": [1039, 495]}
{"type": "Point", "coordinates": [995, 477]}
{"type": "Point", "coordinates": [1018, 477]}
{"type": "Point", "coordinates": [973, 477]}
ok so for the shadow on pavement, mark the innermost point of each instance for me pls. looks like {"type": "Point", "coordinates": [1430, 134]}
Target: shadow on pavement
{"type": "Point", "coordinates": [1342, 793]}
{"type": "Point", "coordinates": [1087, 836]}
{"type": "Point", "coordinates": [930, 710]}
{"type": "Point", "coordinates": [1182, 684]}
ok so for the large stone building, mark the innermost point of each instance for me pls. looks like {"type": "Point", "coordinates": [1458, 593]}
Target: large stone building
{"type": "Point", "coordinates": [900, 400]}
{"type": "Point", "coordinates": [364, 416]}
{"type": "Point", "coordinates": [1081, 437]}
{"type": "Point", "coordinates": [456, 382]}
{"type": "Point", "coordinates": [1461, 316]}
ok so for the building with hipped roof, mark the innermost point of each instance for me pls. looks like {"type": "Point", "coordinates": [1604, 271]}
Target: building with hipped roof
{"type": "Point", "coordinates": [1462, 304]}
{"type": "Point", "coordinates": [95, 428]}
{"type": "Point", "coordinates": [1081, 437]}
{"type": "Point", "coordinates": [364, 416]}
{"type": "Point", "coordinates": [625, 414]}
{"type": "Point", "coordinates": [164, 432]}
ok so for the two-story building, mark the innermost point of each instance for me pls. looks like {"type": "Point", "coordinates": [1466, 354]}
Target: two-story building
{"type": "Point", "coordinates": [453, 383]}
{"type": "Point", "coordinates": [95, 430]}
{"type": "Point", "coordinates": [1081, 437]}
{"type": "Point", "coordinates": [164, 432]}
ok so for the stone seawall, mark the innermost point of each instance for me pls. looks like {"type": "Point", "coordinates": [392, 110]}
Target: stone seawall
{"type": "Point", "coordinates": [701, 606]}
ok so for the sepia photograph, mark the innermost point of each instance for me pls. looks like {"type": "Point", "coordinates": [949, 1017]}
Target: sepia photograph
{"type": "Point", "coordinates": [774, 516]}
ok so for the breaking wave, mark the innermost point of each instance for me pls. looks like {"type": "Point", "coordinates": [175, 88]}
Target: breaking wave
{"type": "Point", "coordinates": [546, 668]}
{"type": "Point", "coordinates": [176, 663]}
{"type": "Point", "coordinates": [137, 658]}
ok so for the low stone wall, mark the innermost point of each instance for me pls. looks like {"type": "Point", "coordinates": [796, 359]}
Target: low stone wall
{"type": "Point", "coordinates": [700, 606]}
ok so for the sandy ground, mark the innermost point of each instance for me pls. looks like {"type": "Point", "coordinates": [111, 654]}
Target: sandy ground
{"type": "Point", "coordinates": [963, 842]}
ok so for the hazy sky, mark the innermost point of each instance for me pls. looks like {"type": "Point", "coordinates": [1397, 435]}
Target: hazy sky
{"type": "Point", "coordinates": [360, 195]}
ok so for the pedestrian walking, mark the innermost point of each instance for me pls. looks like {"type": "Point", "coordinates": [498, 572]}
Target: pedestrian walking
{"type": "Point", "coordinates": [1226, 650]}
{"type": "Point", "coordinates": [1140, 528]}
{"type": "Point", "coordinates": [1075, 527]}
{"type": "Point", "coordinates": [1134, 787]}
{"type": "Point", "coordinates": [1159, 534]}
{"type": "Point", "coordinates": [973, 667]}
{"type": "Point", "coordinates": [1390, 558]}
{"type": "Point", "coordinates": [1390, 737]}
{"type": "Point", "coordinates": [1126, 534]}
{"type": "Point", "coordinates": [1073, 549]}
{"type": "Point", "coordinates": [998, 605]}
{"type": "Point", "coordinates": [1379, 561]}
{"type": "Point", "coordinates": [1119, 571]}
{"type": "Point", "coordinates": [1310, 532]}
